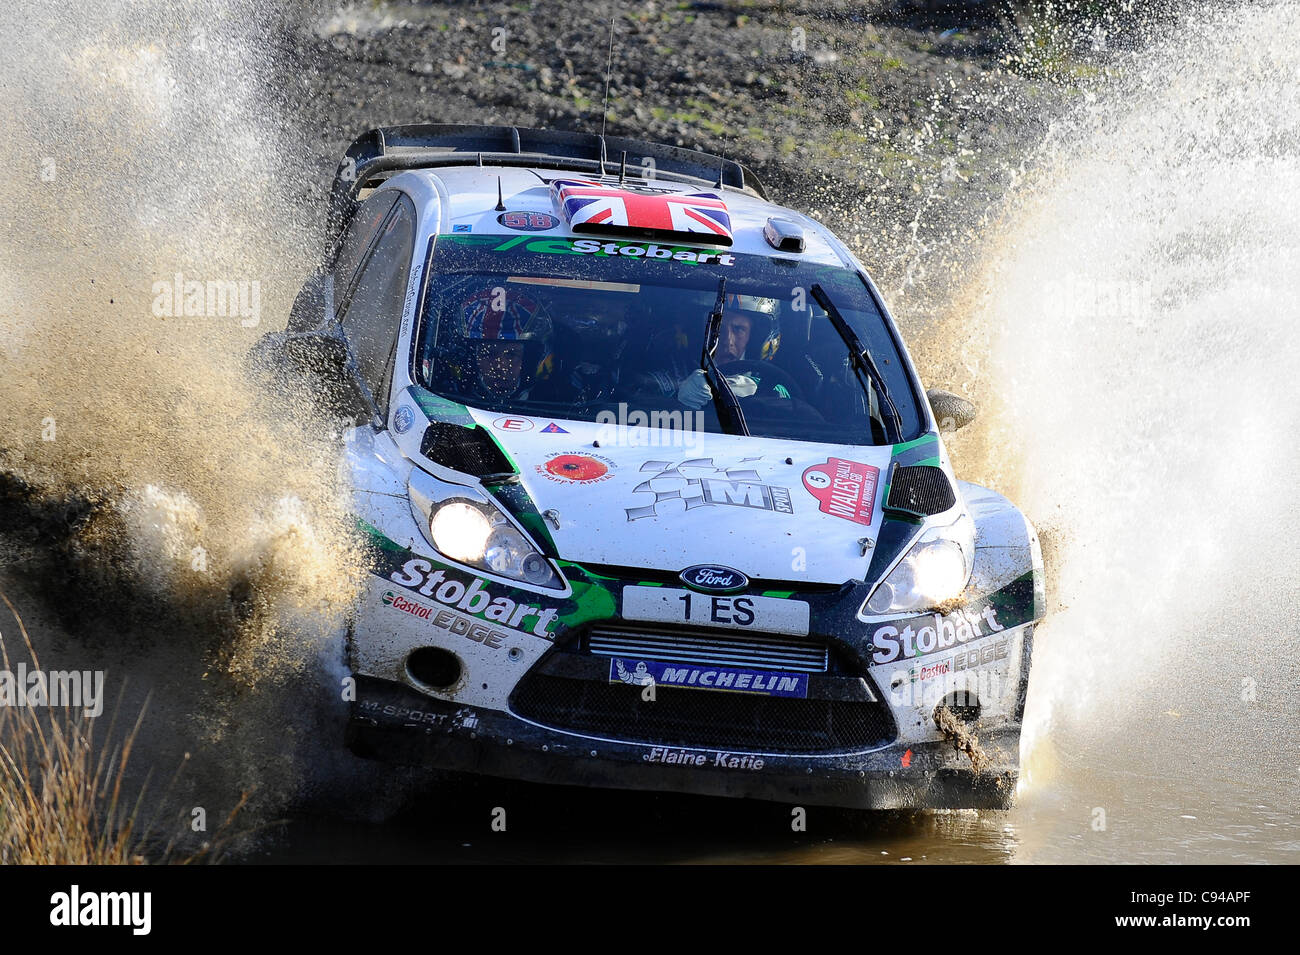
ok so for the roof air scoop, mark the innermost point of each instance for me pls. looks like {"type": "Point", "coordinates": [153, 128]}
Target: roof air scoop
{"type": "Point", "coordinates": [784, 235]}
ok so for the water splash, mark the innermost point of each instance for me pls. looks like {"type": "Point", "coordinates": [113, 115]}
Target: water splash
{"type": "Point", "coordinates": [1128, 340]}
{"type": "Point", "coordinates": [175, 523]}
{"type": "Point", "coordinates": [1133, 335]}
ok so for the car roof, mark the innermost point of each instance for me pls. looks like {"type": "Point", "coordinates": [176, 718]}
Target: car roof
{"type": "Point", "coordinates": [472, 196]}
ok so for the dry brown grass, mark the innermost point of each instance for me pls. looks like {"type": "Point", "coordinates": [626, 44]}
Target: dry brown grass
{"type": "Point", "coordinates": [63, 797]}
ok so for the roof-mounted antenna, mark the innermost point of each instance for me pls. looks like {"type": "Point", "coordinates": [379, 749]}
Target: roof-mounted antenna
{"type": "Point", "coordinates": [501, 202]}
{"type": "Point", "coordinates": [609, 64]}
{"type": "Point", "coordinates": [480, 160]}
{"type": "Point", "coordinates": [722, 167]}
{"type": "Point", "coordinates": [622, 168]}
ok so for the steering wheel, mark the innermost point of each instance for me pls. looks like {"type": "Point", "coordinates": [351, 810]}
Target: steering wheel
{"type": "Point", "coordinates": [768, 376]}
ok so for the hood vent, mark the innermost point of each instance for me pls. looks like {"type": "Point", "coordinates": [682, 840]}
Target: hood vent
{"type": "Point", "coordinates": [468, 450]}
{"type": "Point", "coordinates": [919, 490]}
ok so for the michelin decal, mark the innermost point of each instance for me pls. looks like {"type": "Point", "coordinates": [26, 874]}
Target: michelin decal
{"type": "Point", "coordinates": [721, 679]}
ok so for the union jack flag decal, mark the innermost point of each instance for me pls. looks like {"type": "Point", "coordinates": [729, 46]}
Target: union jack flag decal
{"type": "Point", "coordinates": [592, 207]}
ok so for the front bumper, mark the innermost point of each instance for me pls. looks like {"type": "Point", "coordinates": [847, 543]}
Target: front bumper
{"type": "Point", "coordinates": [528, 697]}
{"type": "Point", "coordinates": [396, 724]}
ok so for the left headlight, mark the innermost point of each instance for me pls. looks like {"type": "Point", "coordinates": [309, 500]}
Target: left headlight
{"type": "Point", "coordinates": [934, 571]}
{"type": "Point", "coordinates": [475, 532]}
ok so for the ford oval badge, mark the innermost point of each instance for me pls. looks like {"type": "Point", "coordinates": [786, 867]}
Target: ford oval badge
{"type": "Point", "coordinates": [714, 579]}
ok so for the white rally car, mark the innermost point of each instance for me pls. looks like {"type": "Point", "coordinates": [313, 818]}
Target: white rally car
{"type": "Point", "coordinates": [653, 494]}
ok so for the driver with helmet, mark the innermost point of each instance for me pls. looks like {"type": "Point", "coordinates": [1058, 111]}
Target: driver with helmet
{"type": "Point", "coordinates": [745, 319]}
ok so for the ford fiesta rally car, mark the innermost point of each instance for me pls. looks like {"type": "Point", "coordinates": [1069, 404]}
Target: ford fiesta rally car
{"type": "Point", "coordinates": [653, 494]}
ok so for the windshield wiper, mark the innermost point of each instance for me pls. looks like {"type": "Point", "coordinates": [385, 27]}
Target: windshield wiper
{"type": "Point", "coordinates": [725, 401]}
{"type": "Point", "coordinates": [862, 359]}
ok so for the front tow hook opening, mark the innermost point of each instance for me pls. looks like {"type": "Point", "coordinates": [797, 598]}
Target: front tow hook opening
{"type": "Point", "coordinates": [434, 667]}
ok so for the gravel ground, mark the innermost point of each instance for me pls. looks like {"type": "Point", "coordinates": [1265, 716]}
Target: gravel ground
{"type": "Point", "coordinates": [899, 126]}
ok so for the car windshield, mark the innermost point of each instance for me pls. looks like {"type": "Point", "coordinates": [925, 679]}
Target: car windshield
{"type": "Point", "coordinates": [601, 330]}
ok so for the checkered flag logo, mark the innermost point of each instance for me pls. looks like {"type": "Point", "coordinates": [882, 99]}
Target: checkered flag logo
{"type": "Point", "coordinates": [672, 482]}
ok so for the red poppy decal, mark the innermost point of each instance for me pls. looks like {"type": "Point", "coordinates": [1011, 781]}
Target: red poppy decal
{"type": "Point", "coordinates": [578, 468]}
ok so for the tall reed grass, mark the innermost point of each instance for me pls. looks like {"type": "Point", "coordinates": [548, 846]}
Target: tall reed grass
{"type": "Point", "coordinates": [64, 794]}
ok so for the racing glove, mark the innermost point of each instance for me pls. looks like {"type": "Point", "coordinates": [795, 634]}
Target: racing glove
{"type": "Point", "coordinates": [694, 391]}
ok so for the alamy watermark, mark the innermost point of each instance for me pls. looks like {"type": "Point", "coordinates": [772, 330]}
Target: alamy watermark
{"type": "Point", "coordinates": [1077, 297]}
{"type": "Point", "coordinates": [214, 298]}
{"type": "Point", "coordinates": [82, 689]}
{"type": "Point", "coordinates": [75, 908]}
{"type": "Point", "coordinates": [649, 429]}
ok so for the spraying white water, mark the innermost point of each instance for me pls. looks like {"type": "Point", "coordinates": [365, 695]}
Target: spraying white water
{"type": "Point", "coordinates": [1141, 313]}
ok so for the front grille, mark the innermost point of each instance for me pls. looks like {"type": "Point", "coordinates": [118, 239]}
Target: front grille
{"type": "Point", "coordinates": [699, 718]}
{"type": "Point", "coordinates": [763, 653]}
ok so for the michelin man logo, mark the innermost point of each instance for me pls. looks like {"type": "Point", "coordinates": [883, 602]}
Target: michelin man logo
{"type": "Point", "coordinates": [638, 677]}
{"type": "Point", "coordinates": [697, 482]}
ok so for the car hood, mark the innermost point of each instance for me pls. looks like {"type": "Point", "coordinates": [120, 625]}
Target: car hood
{"type": "Point", "coordinates": [775, 510]}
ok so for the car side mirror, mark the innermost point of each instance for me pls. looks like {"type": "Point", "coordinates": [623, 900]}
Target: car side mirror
{"type": "Point", "coordinates": [319, 368]}
{"type": "Point", "coordinates": [952, 412]}
{"type": "Point", "coordinates": [314, 302]}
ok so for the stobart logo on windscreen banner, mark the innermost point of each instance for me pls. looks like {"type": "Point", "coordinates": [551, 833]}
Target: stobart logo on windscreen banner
{"type": "Point", "coordinates": [613, 248]}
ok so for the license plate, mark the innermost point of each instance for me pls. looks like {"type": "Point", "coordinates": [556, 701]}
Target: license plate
{"type": "Point", "coordinates": [669, 605]}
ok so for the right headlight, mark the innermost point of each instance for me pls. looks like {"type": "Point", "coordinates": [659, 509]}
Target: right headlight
{"type": "Point", "coordinates": [935, 570]}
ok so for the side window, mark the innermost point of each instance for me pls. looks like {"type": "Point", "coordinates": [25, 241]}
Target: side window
{"type": "Point", "coordinates": [373, 315]}
{"type": "Point", "coordinates": [356, 240]}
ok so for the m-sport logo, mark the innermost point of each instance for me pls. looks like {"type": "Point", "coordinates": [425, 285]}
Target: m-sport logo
{"type": "Point", "coordinates": [714, 579]}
